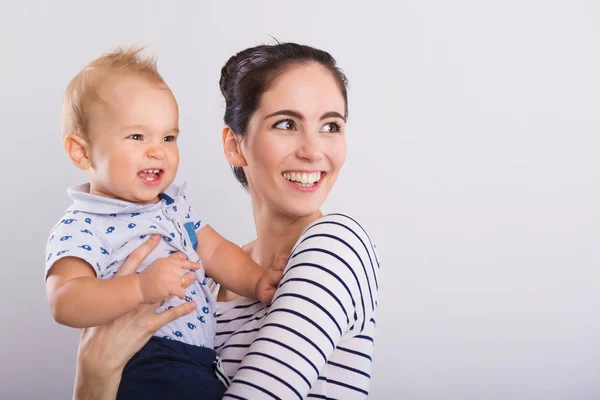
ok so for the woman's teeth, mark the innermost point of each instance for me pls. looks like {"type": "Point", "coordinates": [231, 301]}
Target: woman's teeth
{"type": "Point", "coordinates": [304, 179]}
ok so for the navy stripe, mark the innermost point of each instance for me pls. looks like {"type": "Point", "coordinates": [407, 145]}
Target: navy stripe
{"type": "Point", "coordinates": [223, 378]}
{"type": "Point", "coordinates": [330, 272]}
{"type": "Point", "coordinates": [232, 345]}
{"type": "Point", "coordinates": [299, 335]}
{"type": "Point", "coordinates": [246, 305]}
{"type": "Point", "coordinates": [349, 369]}
{"type": "Point", "coordinates": [247, 316]}
{"type": "Point", "coordinates": [358, 353]}
{"type": "Point", "coordinates": [334, 237]}
{"type": "Point", "coordinates": [220, 333]}
{"type": "Point", "coordinates": [230, 360]}
{"type": "Point", "coordinates": [265, 391]}
{"type": "Point", "coordinates": [361, 241]}
{"type": "Point", "coordinates": [313, 302]}
{"type": "Point", "coordinates": [364, 231]}
{"type": "Point", "coordinates": [347, 386]}
{"type": "Point", "coordinates": [287, 310]}
{"type": "Point", "coordinates": [256, 353]}
{"type": "Point", "coordinates": [285, 346]}
{"type": "Point", "coordinates": [322, 287]}
{"type": "Point", "coordinates": [362, 300]}
{"type": "Point", "coordinates": [318, 396]}
{"type": "Point", "coordinates": [262, 371]}
{"type": "Point", "coordinates": [369, 338]}
{"type": "Point", "coordinates": [236, 332]}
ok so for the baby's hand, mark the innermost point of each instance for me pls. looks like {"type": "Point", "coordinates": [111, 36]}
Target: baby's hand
{"type": "Point", "coordinates": [163, 278]}
{"type": "Point", "coordinates": [269, 281]}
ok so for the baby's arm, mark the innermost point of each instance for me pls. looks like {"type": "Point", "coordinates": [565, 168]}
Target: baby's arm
{"type": "Point", "coordinates": [80, 300]}
{"type": "Point", "coordinates": [229, 265]}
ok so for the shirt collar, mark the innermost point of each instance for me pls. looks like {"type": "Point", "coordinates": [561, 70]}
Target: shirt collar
{"type": "Point", "coordinates": [84, 201]}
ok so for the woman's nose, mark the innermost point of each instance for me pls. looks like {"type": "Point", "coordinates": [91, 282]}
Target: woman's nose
{"type": "Point", "coordinates": [310, 148]}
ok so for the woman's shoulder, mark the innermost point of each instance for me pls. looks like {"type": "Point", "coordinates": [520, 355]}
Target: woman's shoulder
{"type": "Point", "coordinates": [339, 226]}
{"type": "Point", "coordinates": [340, 236]}
{"type": "Point", "coordinates": [338, 249]}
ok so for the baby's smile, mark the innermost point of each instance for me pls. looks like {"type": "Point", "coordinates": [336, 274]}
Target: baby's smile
{"type": "Point", "coordinates": [151, 176]}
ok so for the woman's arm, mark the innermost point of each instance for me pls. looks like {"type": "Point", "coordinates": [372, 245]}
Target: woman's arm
{"type": "Point", "coordinates": [328, 291]}
{"type": "Point", "coordinates": [104, 350]}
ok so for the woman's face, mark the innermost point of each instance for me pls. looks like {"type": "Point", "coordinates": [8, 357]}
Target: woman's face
{"type": "Point", "coordinates": [295, 144]}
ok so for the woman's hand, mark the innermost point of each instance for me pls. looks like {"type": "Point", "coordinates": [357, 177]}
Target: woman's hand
{"type": "Point", "coordinates": [104, 350]}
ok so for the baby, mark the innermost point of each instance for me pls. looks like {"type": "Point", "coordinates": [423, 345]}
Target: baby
{"type": "Point", "coordinates": [120, 125]}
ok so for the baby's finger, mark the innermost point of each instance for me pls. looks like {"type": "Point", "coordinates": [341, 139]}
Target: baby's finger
{"type": "Point", "coordinates": [187, 279]}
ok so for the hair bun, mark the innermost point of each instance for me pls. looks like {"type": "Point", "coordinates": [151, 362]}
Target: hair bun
{"type": "Point", "coordinates": [227, 74]}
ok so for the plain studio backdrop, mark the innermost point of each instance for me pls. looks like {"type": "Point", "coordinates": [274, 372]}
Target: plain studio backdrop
{"type": "Point", "coordinates": [473, 145]}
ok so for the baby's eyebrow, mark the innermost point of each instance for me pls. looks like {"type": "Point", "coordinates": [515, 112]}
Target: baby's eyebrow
{"type": "Point", "coordinates": [128, 127]}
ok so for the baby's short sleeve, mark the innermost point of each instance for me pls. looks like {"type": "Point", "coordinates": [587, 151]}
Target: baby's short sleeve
{"type": "Point", "coordinates": [75, 236]}
{"type": "Point", "coordinates": [194, 216]}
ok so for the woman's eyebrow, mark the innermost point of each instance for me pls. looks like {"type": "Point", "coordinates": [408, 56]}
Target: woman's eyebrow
{"type": "Point", "coordinates": [333, 114]}
{"type": "Point", "coordinates": [289, 113]}
{"type": "Point", "coordinates": [296, 114]}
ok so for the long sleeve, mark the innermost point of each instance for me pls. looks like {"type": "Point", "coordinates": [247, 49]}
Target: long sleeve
{"type": "Point", "coordinates": [328, 292]}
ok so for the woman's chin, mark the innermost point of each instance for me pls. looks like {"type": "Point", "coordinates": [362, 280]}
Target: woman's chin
{"type": "Point", "coordinates": [304, 211]}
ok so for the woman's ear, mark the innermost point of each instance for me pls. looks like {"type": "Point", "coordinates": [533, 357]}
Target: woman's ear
{"type": "Point", "coordinates": [232, 149]}
{"type": "Point", "coordinates": [78, 150]}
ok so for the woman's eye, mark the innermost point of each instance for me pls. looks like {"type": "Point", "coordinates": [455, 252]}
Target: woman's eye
{"type": "Point", "coordinates": [286, 124]}
{"type": "Point", "coordinates": [135, 137]}
{"type": "Point", "coordinates": [170, 138]}
{"type": "Point", "coordinates": [331, 127]}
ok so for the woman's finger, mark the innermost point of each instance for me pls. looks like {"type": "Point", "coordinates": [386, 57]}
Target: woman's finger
{"type": "Point", "coordinates": [172, 314]}
{"type": "Point", "coordinates": [138, 256]}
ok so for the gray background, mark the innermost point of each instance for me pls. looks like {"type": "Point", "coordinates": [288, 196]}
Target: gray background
{"type": "Point", "coordinates": [473, 161]}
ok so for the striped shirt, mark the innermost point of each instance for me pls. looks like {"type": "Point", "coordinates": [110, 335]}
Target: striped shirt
{"type": "Point", "coordinates": [316, 339]}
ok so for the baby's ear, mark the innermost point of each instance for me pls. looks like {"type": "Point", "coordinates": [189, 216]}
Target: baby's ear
{"type": "Point", "coordinates": [78, 150]}
{"type": "Point", "coordinates": [232, 149]}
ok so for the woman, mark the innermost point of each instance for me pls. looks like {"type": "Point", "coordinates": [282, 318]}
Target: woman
{"type": "Point", "coordinates": [286, 109]}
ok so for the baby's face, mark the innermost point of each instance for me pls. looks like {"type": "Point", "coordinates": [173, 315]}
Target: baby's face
{"type": "Point", "coordinates": [133, 132]}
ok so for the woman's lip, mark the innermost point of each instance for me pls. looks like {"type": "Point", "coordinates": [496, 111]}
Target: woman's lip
{"type": "Point", "coordinates": [304, 171]}
{"type": "Point", "coordinates": [308, 189]}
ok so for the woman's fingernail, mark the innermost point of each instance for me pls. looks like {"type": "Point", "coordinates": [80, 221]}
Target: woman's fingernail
{"type": "Point", "coordinates": [181, 255]}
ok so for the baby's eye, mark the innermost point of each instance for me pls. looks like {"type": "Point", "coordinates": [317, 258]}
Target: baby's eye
{"type": "Point", "coordinates": [286, 124]}
{"type": "Point", "coordinates": [332, 127]}
{"type": "Point", "coordinates": [170, 138]}
{"type": "Point", "coordinates": [135, 137]}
